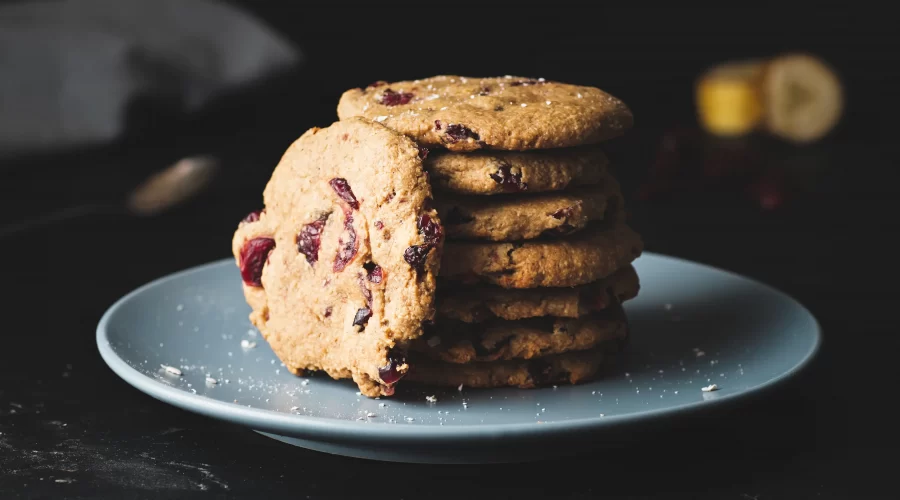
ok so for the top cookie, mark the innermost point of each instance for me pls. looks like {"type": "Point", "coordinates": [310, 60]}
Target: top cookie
{"type": "Point", "coordinates": [510, 113]}
{"type": "Point", "coordinates": [340, 266]}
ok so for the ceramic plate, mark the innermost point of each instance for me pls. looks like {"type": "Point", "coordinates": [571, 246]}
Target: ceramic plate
{"type": "Point", "coordinates": [692, 326]}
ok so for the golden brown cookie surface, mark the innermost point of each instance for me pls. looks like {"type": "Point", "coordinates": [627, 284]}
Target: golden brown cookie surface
{"type": "Point", "coordinates": [582, 258]}
{"type": "Point", "coordinates": [341, 264]}
{"type": "Point", "coordinates": [503, 172]}
{"type": "Point", "coordinates": [474, 304]}
{"type": "Point", "coordinates": [509, 113]}
{"type": "Point", "coordinates": [458, 342]}
{"type": "Point", "coordinates": [525, 217]}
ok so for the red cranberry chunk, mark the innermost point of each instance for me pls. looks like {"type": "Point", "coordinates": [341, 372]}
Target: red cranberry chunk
{"type": "Point", "coordinates": [254, 255]}
{"type": "Point", "coordinates": [252, 216]}
{"type": "Point", "coordinates": [362, 316]}
{"type": "Point", "coordinates": [509, 181]}
{"type": "Point", "coordinates": [391, 98]}
{"type": "Point", "coordinates": [310, 239]}
{"type": "Point", "coordinates": [343, 190]}
{"type": "Point", "coordinates": [423, 152]}
{"type": "Point", "coordinates": [390, 373]}
{"type": "Point", "coordinates": [437, 124]}
{"type": "Point", "coordinates": [374, 273]}
{"type": "Point", "coordinates": [328, 311]}
{"type": "Point", "coordinates": [456, 132]}
{"type": "Point", "coordinates": [347, 247]}
{"type": "Point", "coordinates": [430, 229]}
{"type": "Point", "coordinates": [416, 255]}
{"type": "Point", "coordinates": [379, 224]}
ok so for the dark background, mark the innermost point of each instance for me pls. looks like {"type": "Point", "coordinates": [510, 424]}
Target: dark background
{"type": "Point", "coordinates": [815, 221]}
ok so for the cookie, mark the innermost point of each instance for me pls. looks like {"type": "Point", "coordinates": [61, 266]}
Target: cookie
{"type": "Point", "coordinates": [586, 256]}
{"type": "Point", "coordinates": [340, 266]}
{"type": "Point", "coordinates": [525, 217]}
{"type": "Point", "coordinates": [571, 367]}
{"type": "Point", "coordinates": [496, 172]}
{"type": "Point", "coordinates": [457, 342]}
{"type": "Point", "coordinates": [508, 113]}
{"type": "Point", "coordinates": [482, 303]}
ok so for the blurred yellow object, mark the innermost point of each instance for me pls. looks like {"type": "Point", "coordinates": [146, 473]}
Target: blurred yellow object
{"type": "Point", "coordinates": [803, 97]}
{"type": "Point", "coordinates": [728, 98]}
{"type": "Point", "coordinates": [794, 96]}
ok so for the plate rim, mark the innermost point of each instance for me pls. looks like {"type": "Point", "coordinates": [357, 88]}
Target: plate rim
{"type": "Point", "coordinates": [329, 429]}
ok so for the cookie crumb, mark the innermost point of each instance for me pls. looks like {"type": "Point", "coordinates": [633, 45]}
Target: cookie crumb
{"type": "Point", "coordinates": [295, 408]}
{"type": "Point", "coordinates": [371, 415]}
{"type": "Point", "coordinates": [431, 399]}
{"type": "Point", "coordinates": [382, 405]}
{"type": "Point", "coordinates": [247, 344]}
{"type": "Point", "coordinates": [459, 388]}
{"type": "Point", "coordinates": [710, 388]}
{"type": "Point", "coordinates": [409, 419]}
{"type": "Point", "coordinates": [211, 381]}
{"type": "Point", "coordinates": [179, 307]}
{"type": "Point", "coordinates": [171, 369]}
{"type": "Point", "coordinates": [305, 382]}
{"type": "Point", "coordinates": [700, 354]}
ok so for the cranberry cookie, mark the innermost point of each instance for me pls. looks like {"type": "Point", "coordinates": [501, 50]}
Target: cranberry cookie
{"type": "Point", "coordinates": [496, 172]}
{"type": "Point", "coordinates": [510, 113]}
{"type": "Point", "coordinates": [457, 342]}
{"type": "Point", "coordinates": [525, 217]}
{"type": "Point", "coordinates": [482, 303]}
{"type": "Point", "coordinates": [570, 367]}
{"type": "Point", "coordinates": [340, 266]}
{"type": "Point", "coordinates": [586, 256]}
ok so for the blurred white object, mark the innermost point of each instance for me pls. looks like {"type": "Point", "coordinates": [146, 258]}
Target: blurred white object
{"type": "Point", "coordinates": [70, 68]}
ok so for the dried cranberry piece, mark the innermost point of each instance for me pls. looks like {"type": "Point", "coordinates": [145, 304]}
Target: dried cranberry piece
{"type": "Point", "coordinates": [310, 239]}
{"type": "Point", "coordinates": [423, 152]}
{"type": "Point", "coordinates": [562, 213]}
{"type": "Point", "coordinates": [390, 373]}
{"type": "Point", "coordinates": [252, 216]}
{"type": "Point", "coordinates": [347, 248]}
{"type": "Point", "coordinates": [430, 229]}
{"type": "Point", "coordinates": [374, 273]}
{"type": "Point", "coordinates": [379, 224]}
{"type": "Point", "coordinates": [509, 181]}
{"type": "Point", "coordinates": [391, 98]}
{"type": "Point", "coordinates": [456, 216]}
{"type": "Point", "coordinates": [456, 132]}
{"type": "Point", "coordinates": [343, 190]}
{"type": "Point", "coordinates": [362, 316]}
{"type": "Point", "coordinates": [254, 255]}
{"type": "Point", "coordinates": [437, 124]}
{"type": "Point", "coordinates": [416, 255]}
{"type": "Point", "coordinates": [328, 311]}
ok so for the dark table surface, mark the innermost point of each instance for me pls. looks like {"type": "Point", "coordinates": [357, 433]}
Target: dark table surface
{"type": "Point", "coordinates": [814, 221]}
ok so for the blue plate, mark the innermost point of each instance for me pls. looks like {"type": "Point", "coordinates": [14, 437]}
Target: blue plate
{"type": "Point", "coordinates": [692, 326]}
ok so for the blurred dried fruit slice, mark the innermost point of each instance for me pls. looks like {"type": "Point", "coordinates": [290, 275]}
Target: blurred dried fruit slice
{"type": "Point", "coordinates": [803, 97]}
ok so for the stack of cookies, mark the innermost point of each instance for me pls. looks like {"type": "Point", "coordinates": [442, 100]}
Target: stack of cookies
{"type": "Point", "coordinates": [448, 231]}
{"type": "Point", "coordinates": [538, 257]}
